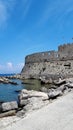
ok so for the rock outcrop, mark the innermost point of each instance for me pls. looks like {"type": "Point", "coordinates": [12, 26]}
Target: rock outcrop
{"type": "Point", "coordinates": [8, 109]}
{"type": "Point", "coordinates": [31, 100]}
{"type": "Point", "coordinates": [5, 80]}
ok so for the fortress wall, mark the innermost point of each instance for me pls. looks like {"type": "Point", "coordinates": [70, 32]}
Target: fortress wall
{"type": "Point", "coordinates": [46, 68]}
{"type": "Point", "coordinates": [41, 57]}
{"type": "Point", "coordinates": [50, 62]}
{"type": "Point", "coordinates": [66, 51]}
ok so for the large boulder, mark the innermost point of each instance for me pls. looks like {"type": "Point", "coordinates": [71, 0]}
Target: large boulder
{"type": "Point", "coordinates": [62, 88]}
{"type": "Point", "coordinates": [4, 80]}
{"type": "Point", "coordinates": [31, 100]}
{"type": "Point", "coordinates": [25, 94]}
{"type": "Point", "coordinates": [23, 102]}
{"type": "Point", "coordinates": [46, 81]}
{"type": "Point", "coordinates": [7, 106]}
{"type": "Point", "coordinates": [60, 82]}
{"type": "Point", "coordinates": [9, 113]}
{"type": "Point", "coordinates": [44, 89]}
{"type": "Point", "coordinates": [69, 85]}
{"type": "Point", "coordinates": [34, 103]}
{"type": "Point", "coordinates": [54, 94]}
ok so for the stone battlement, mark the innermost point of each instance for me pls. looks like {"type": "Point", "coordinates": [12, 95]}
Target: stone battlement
{"type": "Point", "coordinates": [56, 63]}
{"type": "Point", "coordinates": [65, 52]}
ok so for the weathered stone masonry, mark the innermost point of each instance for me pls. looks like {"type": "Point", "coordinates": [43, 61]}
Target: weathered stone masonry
{"type": "Point", "coordinates": [51, 62]}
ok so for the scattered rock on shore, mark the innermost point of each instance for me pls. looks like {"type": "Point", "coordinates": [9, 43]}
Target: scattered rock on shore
{"type": "Point", "coordinates": [60, 82]}
{"type": "Point", "coordinates": [7, 81]}
{"type": "Point", "coordinates": [54, 94]}
{"type": "Point", "coordinates": [9, 113]}
{"type": "Point", "coordinates": [31, 100]}
{"type": "Point", "coordinates": [16, 76]}
{"type": "Point", "coordinates": [7, 106]}
{"type": "Point", "coordinates": [29, 94]}
{"type": "Point", "coordinates": [45, 80]}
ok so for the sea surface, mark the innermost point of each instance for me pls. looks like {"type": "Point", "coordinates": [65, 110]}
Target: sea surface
{"type": "Point", "coordinates": [9, 92]}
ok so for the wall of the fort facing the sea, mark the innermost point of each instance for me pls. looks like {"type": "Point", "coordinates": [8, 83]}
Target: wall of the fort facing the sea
{"type": "Point", "coordinates": [52, 62]}
{"type": "Point", "coordinates": [46, 68]}
{"type": "Point", "coordinates": [41, 57]}
{"type": "Point", "coordinates": [65, 52]}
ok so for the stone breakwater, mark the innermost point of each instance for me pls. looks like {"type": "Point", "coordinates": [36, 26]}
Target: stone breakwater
{"type": "Point", "coordinates": [58, 63]}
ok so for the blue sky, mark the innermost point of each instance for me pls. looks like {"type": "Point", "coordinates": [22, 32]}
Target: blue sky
{"type": "Point", "coordinates": [28, 26]}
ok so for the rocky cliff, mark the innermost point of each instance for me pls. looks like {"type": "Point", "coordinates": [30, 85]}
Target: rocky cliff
{"type": "Point", "coordinates": [49, 63]}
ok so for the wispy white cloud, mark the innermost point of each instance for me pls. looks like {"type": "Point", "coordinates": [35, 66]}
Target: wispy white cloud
{"type": "Point", "coordinates": [18, 67]}
{"type": "Point", "coordinates": [6, 6]}
{"type": "Point", "coordinates": [25, 7]}
{"type": "Point", "coordinates": [3, 13]}
{"type": "Point", "coordinates": [9, 67]}
{"type": "Point", "coordinates": [55, 10]}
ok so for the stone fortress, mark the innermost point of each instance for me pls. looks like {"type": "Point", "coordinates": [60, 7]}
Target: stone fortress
{"type": "Point", "coordinates": [49, 63]}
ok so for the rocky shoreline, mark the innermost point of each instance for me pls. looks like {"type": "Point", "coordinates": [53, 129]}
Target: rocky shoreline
{"type": "Point", "coordinates": [57, 115]}
{"type": "Point", "coordinates": [29, 100]}
{"type": "Point", "coordinates": [6, 80]}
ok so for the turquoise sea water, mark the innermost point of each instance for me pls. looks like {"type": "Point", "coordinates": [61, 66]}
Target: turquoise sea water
{"type": "Point", "coordinates": [8, 91]}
